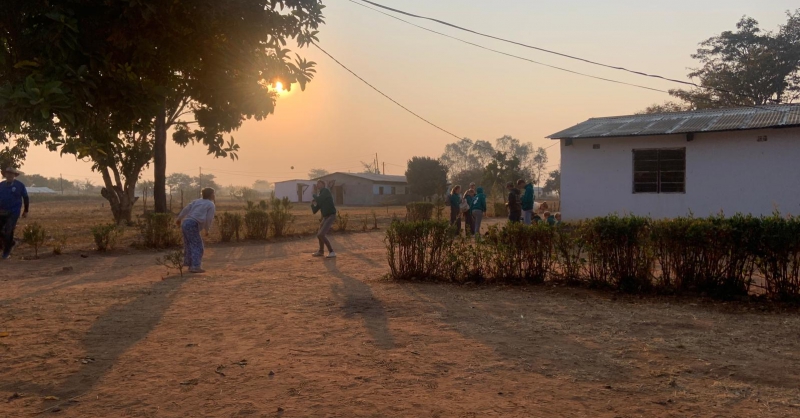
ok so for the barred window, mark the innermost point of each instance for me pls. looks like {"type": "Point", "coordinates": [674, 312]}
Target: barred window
{"type": "Point", "coordinates": [659, 170]}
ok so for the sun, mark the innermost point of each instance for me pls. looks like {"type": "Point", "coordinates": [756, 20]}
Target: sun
{"type": "Point", "coordinates": [279, 87]}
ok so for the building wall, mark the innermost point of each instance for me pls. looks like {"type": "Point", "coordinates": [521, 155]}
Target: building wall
{"type": "Point", "coordinates": [725, 171]}
{"type": "Point", "coordinates": [363, 192]}
{"type": "Point", "coordinates": [289, 189]}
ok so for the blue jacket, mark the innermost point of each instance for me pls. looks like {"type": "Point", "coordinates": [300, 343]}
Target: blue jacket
{"type": "Point", "coordinates": [12, 196]}
{"type": "Point", "coordinates": [479, 203]}
{"type": "Point", "coordinates": [527, 197]}
{"type": "Point", "coordinates": [455, 200]}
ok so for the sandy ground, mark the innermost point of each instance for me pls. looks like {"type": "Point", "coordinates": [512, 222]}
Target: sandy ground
{"type": "Point", "coordinates": [270, 331]}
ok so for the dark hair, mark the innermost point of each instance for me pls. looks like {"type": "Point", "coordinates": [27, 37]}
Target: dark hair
{"type": "Point", "coordinates": [453, 190]}
{"type": "Point", "coordinates": [509, 184]}
{"type": "Point", "coordinates": [520, 181]}
{"type": "Point", "coordinates": [207, 193]}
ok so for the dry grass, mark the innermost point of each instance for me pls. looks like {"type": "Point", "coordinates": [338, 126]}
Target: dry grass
{"type": "Point", "coordinates": [76, 217]}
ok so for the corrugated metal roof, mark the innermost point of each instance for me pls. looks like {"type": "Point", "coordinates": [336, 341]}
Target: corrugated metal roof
{"type": "Point", "coordinates": [377, 178]}
{"type": "Point", "coordinates": [712, 120]}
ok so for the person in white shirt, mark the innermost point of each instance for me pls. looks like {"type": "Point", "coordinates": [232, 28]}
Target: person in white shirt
{"type": "Point", "coordinates": [194, 217]}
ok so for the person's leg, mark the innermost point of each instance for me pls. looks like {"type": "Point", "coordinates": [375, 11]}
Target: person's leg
{"type": "Point", "coordinates": [477, 216]}
{"type": "Point", "coordinates": [187, 254]}
{"type": "Point", "coordinates": [322, 235]}
{"type": "Point", "coordinates": [528, 216]}
{"type": "Point", "coordinates": [195, 244]}
{"type": "Point", "coordinates": [469, 223]}
{"type": "Point", "coordinates": [7, 233]}
{"type": "Point", "coordinates": [3, 235]}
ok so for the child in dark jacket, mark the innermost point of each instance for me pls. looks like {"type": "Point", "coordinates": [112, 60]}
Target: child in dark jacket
{"type": "Point", "coordinates": [323, 202]}
{"type": "Point", "coordinates": [514, 203]}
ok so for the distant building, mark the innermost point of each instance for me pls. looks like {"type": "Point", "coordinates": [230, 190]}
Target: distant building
{"type": "Point", "coordinates": [298, 191]}
{"type": "Point", "coordinates": [40, 190]}
{"type": "Point", "coordinates": [358, 189]}
{"type": "Point", "coordinates": [740, 160]}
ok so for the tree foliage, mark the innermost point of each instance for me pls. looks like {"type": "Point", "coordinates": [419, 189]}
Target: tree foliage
{"type": "Point", "coordinates": [744, 67]}
{"type": "Point", "coordinates": [666, 107]}
{"type": "Point", "coordinates": [553, 183]}
{"type": "Point", "coordinates": [106, 80]}
{"type": "Point", "coordinates": [426, 176]}
{"type": "Point", "coordinates": [316, 173]}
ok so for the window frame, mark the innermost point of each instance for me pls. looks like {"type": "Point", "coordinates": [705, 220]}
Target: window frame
{"type": "Point", "coordinates": [658, 171]}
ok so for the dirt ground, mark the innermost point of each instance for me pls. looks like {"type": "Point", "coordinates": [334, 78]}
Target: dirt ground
{"type": "Point", "coordinates": [271, 332]}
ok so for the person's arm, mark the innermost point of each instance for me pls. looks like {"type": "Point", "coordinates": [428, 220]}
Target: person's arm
{"type": "Point", "coordinates": [25, 201]}
{"type": "Point", "coordinates": [212, 210]}
{"type": "Point", "coordinates": [183, 213]}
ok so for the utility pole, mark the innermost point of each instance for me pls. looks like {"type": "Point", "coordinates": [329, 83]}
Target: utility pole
{"type": "Point", "coordinates": [200, 181]}
{"type": "Point", "coordinates": [384, 168]}
{"type": "Point", "coordinates": [376, 164]}
{"type": "Point", "coordinates": [62, 184]}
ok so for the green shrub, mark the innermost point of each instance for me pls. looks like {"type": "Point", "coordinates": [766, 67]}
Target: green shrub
{"type": "Point", "coordinates": [570, 246]}
{"type": "Point", "coordinates": [230, 225]}
{"type": "Point", "coordinates": [256, 222]}
{"type": "Point", "coordinates": [34, 235]}
{"type": "Point", "coordinates": [419, 211]}
{"type": "Point", "coordinates": [779, 257]}
{"type": "Point", "coordinates": [521, 253]}
{"type": "Point", "coordinates": [619, 252]}
{"type": "Point", "coordinates": [58, 241]}
{"type": "Point", "coordinates": [714, 255]}
{"type": "Point", "coordinates": [159, 231]}
{"type": "Point", "coordinates": [439, 206]}
{"type": "Point", "coordinates": [280, 215]}
{"type": "Point", "coordinates": [106, 235]}
{"type": "Point", "coordinates": [342, 221]}
{"type": "Point", "coordinates": [172, 260]}
{"type": "Point", "coordinates": [419, 250]}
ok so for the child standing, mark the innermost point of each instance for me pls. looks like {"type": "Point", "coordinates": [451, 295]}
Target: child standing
{"type": "Point", "coordinates": [478, 209]}
{"type": "Point", "coordinates": [194, 217]}
{"type": "Point", "coordinates": [323, 201]}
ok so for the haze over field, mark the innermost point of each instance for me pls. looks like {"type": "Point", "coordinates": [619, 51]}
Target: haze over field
{"type": "Point", "coordinates": [338, 122]}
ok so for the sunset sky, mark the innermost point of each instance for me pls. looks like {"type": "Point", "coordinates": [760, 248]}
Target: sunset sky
{"type": "Point", "coordinates": [338, 121]}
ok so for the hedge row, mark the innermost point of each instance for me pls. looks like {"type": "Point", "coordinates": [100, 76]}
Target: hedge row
{"type": "Point", "coordinates": [718, 256]}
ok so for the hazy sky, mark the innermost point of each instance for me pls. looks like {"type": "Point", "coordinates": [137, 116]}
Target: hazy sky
{"type": "Point", "coordinates": [338, 122]}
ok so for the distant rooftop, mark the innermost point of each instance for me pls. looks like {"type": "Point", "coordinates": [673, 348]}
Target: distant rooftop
{"type": "Point", "coordinates": [378, 178]}
{"type": "Point", "coordinates": [712, 120]}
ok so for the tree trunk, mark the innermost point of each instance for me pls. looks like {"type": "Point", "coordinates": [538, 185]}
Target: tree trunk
{"type": "Point", "coordinates": [121, 205]}
{"type": "Point", "coordinates": [160, 162]}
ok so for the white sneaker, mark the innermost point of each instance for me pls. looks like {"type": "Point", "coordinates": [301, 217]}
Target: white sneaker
{"type": "Point", "coordinates": [331, 255]}
{"type": "Point", "coordinates": [317, 254]}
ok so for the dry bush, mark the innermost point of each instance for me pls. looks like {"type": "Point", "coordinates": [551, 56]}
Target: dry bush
{"type": "Point", "coordinates": [34, 235]}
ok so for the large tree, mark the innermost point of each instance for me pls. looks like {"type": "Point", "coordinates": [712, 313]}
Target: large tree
{"type": "Point", "coordinates": [95, 78]}
{"type": "Point", "coordinates": [745, 67]}
{"type": "Point", "coordinates": [426, 176]}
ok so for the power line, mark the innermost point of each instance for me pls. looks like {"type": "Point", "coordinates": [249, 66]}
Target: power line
{"type": "Point", "coordinates": [588, 61]}
{"type": "Point", "coordinates": [384, 94]}
{"type": "Point", "coordinates": [614, 67]}
{"type": "Point", "coordinates": [507, 54]}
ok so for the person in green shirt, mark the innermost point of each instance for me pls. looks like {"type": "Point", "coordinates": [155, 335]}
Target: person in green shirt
{"type": "Point", "coordinates": [478, 209]}
{"type": "Point", "coordinates": [323, 202]}
{"type": "Point", "coordinates": [455, 208]}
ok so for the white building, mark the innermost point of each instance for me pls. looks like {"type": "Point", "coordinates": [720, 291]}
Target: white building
{"type": "Point", "coordinates": [298, 191]}
{"type": "Point", "coordinates": [742, 160]}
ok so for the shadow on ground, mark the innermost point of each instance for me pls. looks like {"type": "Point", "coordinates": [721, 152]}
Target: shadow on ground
{"type": "Point", "coordinates": [359, 300]}
{"type": "Point", "coordinates": [114, 332]}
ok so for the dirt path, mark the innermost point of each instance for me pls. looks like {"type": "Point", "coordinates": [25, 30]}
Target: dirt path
{"type": "Point", "coordinates": [269, 331]}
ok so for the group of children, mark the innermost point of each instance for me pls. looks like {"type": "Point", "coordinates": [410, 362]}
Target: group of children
{"type": "Point", "coordinates": [471, 206]}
